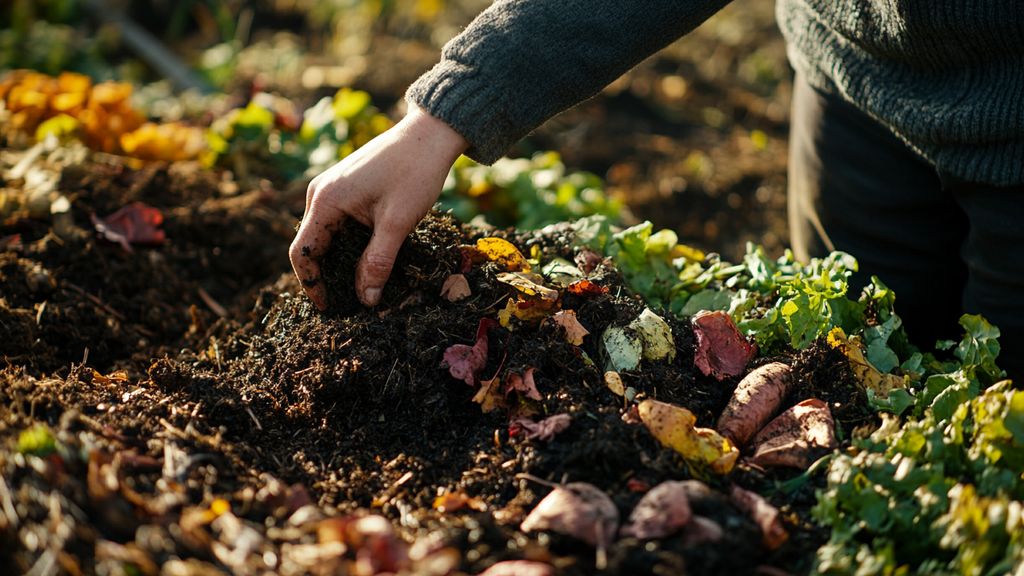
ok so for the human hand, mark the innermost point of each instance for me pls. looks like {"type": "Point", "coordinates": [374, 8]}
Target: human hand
{"type": "Point", "coordinates": [388, 185]}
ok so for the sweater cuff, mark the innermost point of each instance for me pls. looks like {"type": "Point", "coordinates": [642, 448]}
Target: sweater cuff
{"type": "Point", "coordinates": [450, 92]}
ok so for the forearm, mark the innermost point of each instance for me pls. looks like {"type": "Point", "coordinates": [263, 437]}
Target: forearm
{"type": "Point", "coordinates": [522, 61]}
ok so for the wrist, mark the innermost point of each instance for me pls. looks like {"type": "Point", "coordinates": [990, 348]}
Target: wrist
{"type": "Point", "coordinates": [435, 133]}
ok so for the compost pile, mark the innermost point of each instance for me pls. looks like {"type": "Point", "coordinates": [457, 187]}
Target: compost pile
{"type": "Point", "coordinates": [175, 403]}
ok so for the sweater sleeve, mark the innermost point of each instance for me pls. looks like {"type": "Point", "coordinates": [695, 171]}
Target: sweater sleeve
{"type": "Point", "coordinates": [521, 62]}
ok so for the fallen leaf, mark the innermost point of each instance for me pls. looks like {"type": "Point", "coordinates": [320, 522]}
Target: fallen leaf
{"type": "Point", "coordinates": [489, 395]}
{"type": "Point", "coordinates": [455, 501]}
{"type": "Point", "coordinates": [463, 361]}
{"type": "Point", "coordinates": [766, 516]}
{"type": "Point", "coordinates": [455, 288]}
{"type": "Point", "coordinates": [579, 510]}
{"type": "Point", "coordinates": [675, 427]}
{"type": "Point", "coordinates": [574, 331]}
{"type": "Point", "coordinates": [523, 383]}
{"type": "Point", "coordinates": [588, 260]}
{"type": "Point", "coordinates": [503, 253]}
{"type": "Point", "coordinates": [544, 430]}
{"type": "Point", "coordinates": [657, 336]}
{"type": "Point", "coordinates": [623, 349]}
{"type": "Point", "coordinates": [797, 437]}
{"type": "Point", "coordinates": [613, 381]}
{"type": "Point", "coordinates": [647, 337]}
{"type": "Point", "coordinates": [722, 351]}
{"type": "Point", "coordinates": [528, 284]}
{"type": "Point", "coordinates": [528, 311]}
{"type": "Point", "coordinates": [116, 377]}
{"type": "Point", "coordinates": [869, 377]}
{"type": "Point", "coordinates": [136, 223]}
{"type": "Point", "coordinates": [585, 287]}
{"type": "Point", "coordinates": [519, 568]}
{"type": "Point", "coordinates": [661, 512]}
{"type": "Point", "coordinates": [637, 485]}
{"type": "Point", "coordinates": [559, 271]}
{"type": "Point", "coordinates": [701, 530]}
{"type": "Point", "coordinates": [12, 242]}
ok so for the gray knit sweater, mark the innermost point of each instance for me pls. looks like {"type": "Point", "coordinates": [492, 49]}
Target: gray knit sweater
{"type": "Point", "coordinates": [946, 76]}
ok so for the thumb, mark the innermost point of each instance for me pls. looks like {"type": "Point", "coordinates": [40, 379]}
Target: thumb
{"type": "Point", "coordinates": [376, 263]}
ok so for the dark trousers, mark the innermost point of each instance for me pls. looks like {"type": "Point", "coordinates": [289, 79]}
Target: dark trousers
{"type": "Point", "coordinates": [946, 247]}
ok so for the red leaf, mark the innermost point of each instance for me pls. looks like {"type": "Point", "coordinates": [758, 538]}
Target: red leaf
{"type": "Point", "coordinates": [465, 362]}
{"type": "Point", "coordinates": [637, 485]}
{"type": "Point", "coordinates": [585, 287]}
{"type": "Point", "coordinates": [136, 223]}
{"type": "Point", "coordinates": [12, 242]}
{"type": "Point", "coordinates": [721, 350]}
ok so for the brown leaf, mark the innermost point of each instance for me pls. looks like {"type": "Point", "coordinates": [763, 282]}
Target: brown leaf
{"type": "Point", "coordinates": [523, 384]}
{"type": "Point", "coordinates": [574, 331]}
{"type": "Point", "coordinates": [721, 350]}
{"type": "Point", "coordinates": [455, 501]}
{"type": "Point", "coordinates": [797, 437]}
{"type": "Point", "coordinates": [587, 260]}
{"type": "Point", "coordinates": [766, 516]}
{"type": "Point", "coordinates": [489, 395]}
{"type": "Point", "coordinates": [579, 510]}
{"type": "Point", "coordinates": [528, 284]}
{"type": "Point", "coordinates": [455, 288]}
{"type": "Point", "coordinates": [661, 512]}
{"type": "Point", "coordinates": [545, 430]}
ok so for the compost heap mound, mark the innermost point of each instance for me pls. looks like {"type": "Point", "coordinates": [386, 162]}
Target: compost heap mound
{"type": "Point", "coordinates": [275, 435]}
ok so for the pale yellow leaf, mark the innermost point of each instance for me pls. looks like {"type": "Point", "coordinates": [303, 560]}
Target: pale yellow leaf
{"type": "Point", "coordinates": [675, 427]}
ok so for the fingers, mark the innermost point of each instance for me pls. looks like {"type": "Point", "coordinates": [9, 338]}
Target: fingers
{"type": "Point", "coordinates": [310, 244]}
{"type": "Point", "coordinates": [376, 263]}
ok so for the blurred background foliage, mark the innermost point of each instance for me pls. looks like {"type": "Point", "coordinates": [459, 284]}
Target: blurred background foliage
{"type": "Point", "coordinates": [693, 138]}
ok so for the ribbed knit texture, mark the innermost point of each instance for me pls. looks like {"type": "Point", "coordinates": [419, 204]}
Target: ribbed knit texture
{"type": "Point", "coordinates": [946, 76]}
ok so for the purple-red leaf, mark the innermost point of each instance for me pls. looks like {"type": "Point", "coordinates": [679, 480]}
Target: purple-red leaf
{"type": "Point", "coordinates": [721, 350]}
{"type": "Point", "coordinates": [135, 223]}
{"type": "Point", "coordinates": [465, 362]}
{"type": "Point", "coordinates": [545, 430]}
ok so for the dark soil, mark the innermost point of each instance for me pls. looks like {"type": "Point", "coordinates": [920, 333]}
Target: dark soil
{"type": "Point", "coordinates": [291, 416]}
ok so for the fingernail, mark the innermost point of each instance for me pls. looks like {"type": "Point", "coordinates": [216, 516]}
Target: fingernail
{"type": "Point", "coordinates": [371, 296]}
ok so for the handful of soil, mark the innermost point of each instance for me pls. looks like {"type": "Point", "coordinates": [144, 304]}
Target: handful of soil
{"type": "Point", "coordinates": [428, 256]}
